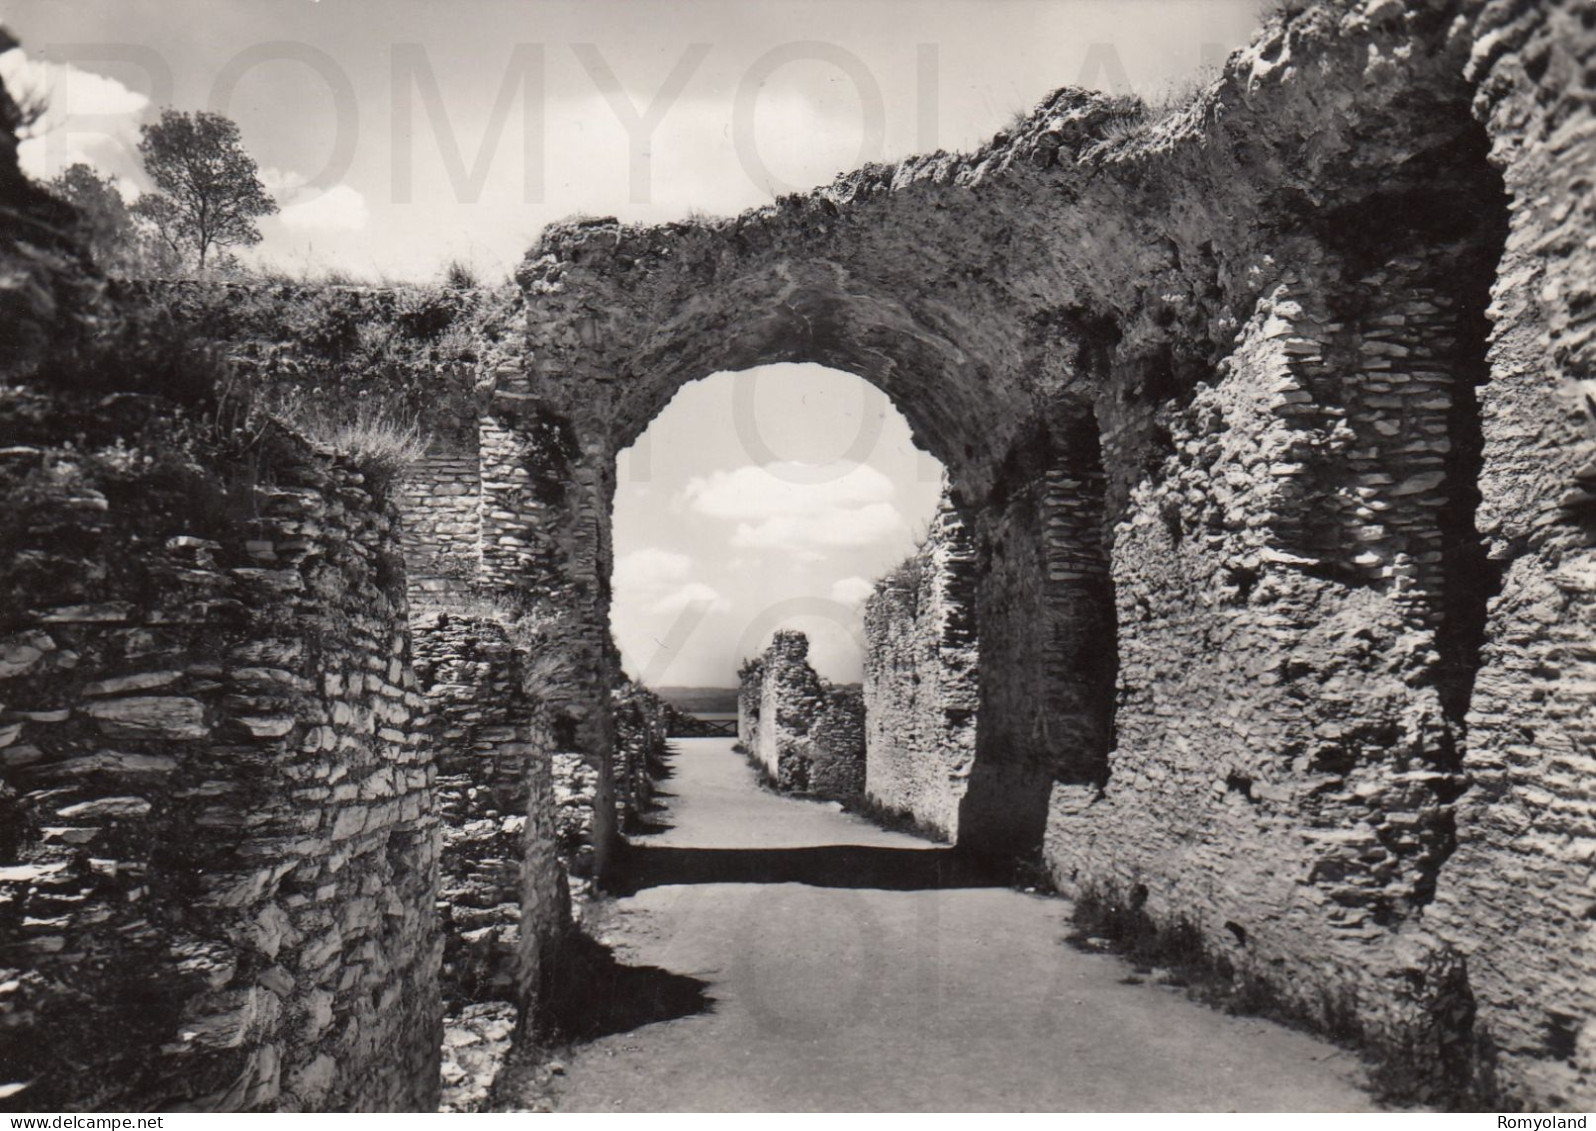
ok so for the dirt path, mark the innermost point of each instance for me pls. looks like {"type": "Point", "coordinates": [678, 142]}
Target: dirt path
{"type": "Point", "coordinates": [856, 984]}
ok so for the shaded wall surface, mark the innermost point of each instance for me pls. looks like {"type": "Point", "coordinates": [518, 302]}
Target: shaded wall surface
{"type": "Point", "coordinates": [220, 845]}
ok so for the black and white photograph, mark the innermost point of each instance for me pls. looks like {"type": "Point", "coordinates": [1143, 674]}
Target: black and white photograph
{"type": "Point", "coordinates": [800, 556]}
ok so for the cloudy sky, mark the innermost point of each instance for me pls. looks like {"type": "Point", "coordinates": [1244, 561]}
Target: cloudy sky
{"type": "Point", "coordinates": [715, 549]}
{"type": "Point", "coordinates": [400, 135]}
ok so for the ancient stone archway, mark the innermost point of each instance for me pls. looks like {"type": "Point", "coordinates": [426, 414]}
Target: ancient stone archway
{"type": "Point", "coordinates": [1216, 458]}
{"type": "Point", "coordinates": [675, 308]}
{"type": "Point", "coordinates": [1270, 421]}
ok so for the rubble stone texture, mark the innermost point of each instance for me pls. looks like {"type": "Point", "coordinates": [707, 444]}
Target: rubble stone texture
{"type": "Point", "coordinates": [807, 735]}
{"type": "Point", "coordinates": [1269, 423]}
{"type": "Point", "coordinates": [219, 812]}
{"type": "Point", "coordinates": [920, 688]}
{"type": "Point", "coordinates": [1264, 418]}
{"type": "Point", "coordinates": [502, 885]}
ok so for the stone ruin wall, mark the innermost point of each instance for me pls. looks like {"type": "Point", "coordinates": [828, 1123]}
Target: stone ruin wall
{"type": "Point", "coordinates": [503, 893]}
{"type": "Point", "coordinates": [1283, 718]}
{"type": "Point", "coordinates": [808, 736]}
{"type": "Point", "coordinates": [1514, 896]}
{"type": "Point", "coordinates": [1372, 780]}
{"type": "Point", "coordinates": [642, 729]}
{"type": "Point", "coordinates": [222, 784]}
{"type": "Point", "coordinates": [1280, 509]}
{"type": "Point", "coordinates": [502, 883]}
{"type": "Point", "coordinates": [920, 686]}
{"type": "Point", "coordinates": [219, 820]}
{"type": "Point", "coordinates": [750, 695]}
{"type": "Point", "coordinates": [837, 745]}
{"type": "Point", "coordinates": [1281, 514]}
{"type": "Point", "coordinates": [442, 528]}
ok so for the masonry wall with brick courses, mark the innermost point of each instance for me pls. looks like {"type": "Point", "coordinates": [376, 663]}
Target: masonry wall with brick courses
{"type": "Point", "coordinates": [576, 786]}
{"type": "Point", "coordinates": [219, 850]}
{"type": "Point", "coordinates": [503, 893]}
{"type": "Point", "coordinates": [545, 533]}
{"type": "Point", "coordinates": [440, 502]}
{"type": "Point", "coordinates": [837, 744]}
{"type": "Point", "coordinates": [1283, 718]}
{"type": "Point", "coordinates": [920, 684]}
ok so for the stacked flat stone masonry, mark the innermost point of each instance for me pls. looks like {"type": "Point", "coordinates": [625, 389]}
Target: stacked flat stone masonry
{"type": "Point", "coordinates": [502, 888]}
{"type": "Point", "coordinates": [220, 846]}
{"type": "Point", "coordinates": [1281, 718]}
{"type": "Point", "coordinates": [920, 680]}
{"type": "Point", "coordinates": [642, 724]}
{"type": "Point", "coordinates": [503, 898]}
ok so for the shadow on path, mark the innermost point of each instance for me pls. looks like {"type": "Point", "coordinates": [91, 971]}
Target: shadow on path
{"type": "Point", "coordinates": [591, 995]}
{"type": "Point", "coordinates": [827, 866]}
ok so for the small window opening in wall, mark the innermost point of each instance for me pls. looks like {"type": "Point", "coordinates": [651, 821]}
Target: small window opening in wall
{"type": "Point", "coordinates": [1237, 782]}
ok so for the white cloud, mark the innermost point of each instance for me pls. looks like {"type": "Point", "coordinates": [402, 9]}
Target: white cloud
{"type": "Point", "coordinates": [842, 527]}
{"type": "Point", "coordinates": [851, 590]}
{"type": "Point", "coordinates": [659, 581]}
{"type": "Point", "coordinates": [649, 568]}
{"type": "Point", "coordinates": [784, 507]}
{"type": "Point", "coordinates": [693, 594]}
{"type": "Point", "coordinates": [335, 209]}
{"type": "Point", "coordinates": [87, 117]}
{"type": "Point", "coordinates": [787, 489]}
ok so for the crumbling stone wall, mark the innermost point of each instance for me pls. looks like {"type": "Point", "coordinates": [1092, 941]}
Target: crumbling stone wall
{"type": "Point", "coordinates": [1280, 509]}
{"type": "Point", "coordinates": [1231, 476]}
{"type": "Point", "coordinates": [502, 887]}
{"type": "Point", "coordinates": [1514, 896]}
{"type": "Point", "coordinates": [750, 695]}
{"type": "Point", "coordinates": [809, 737]}
{"type": "Point", "coordinates": [1280, 582]}
{"type": "Point", "coordinates": [837, 744]}
{"type": "Point", "coordinates": [429, 357]}
{"type": "Point", "coordinates": [920, 688]}
{"type": "Point", "coordinates": [219, 854]}
{"type": "Point", "coordinates": [642, 727]}
{"type": "Point", "coordinates": [503, 894]}
{"type": "Point", "coordinates": [309, 977]}
{"type": "Point", "coordinates": [442, 528]}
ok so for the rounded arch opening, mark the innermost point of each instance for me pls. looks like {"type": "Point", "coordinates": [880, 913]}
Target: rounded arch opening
{"type": "Point", "coordinates": [766, 498]}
